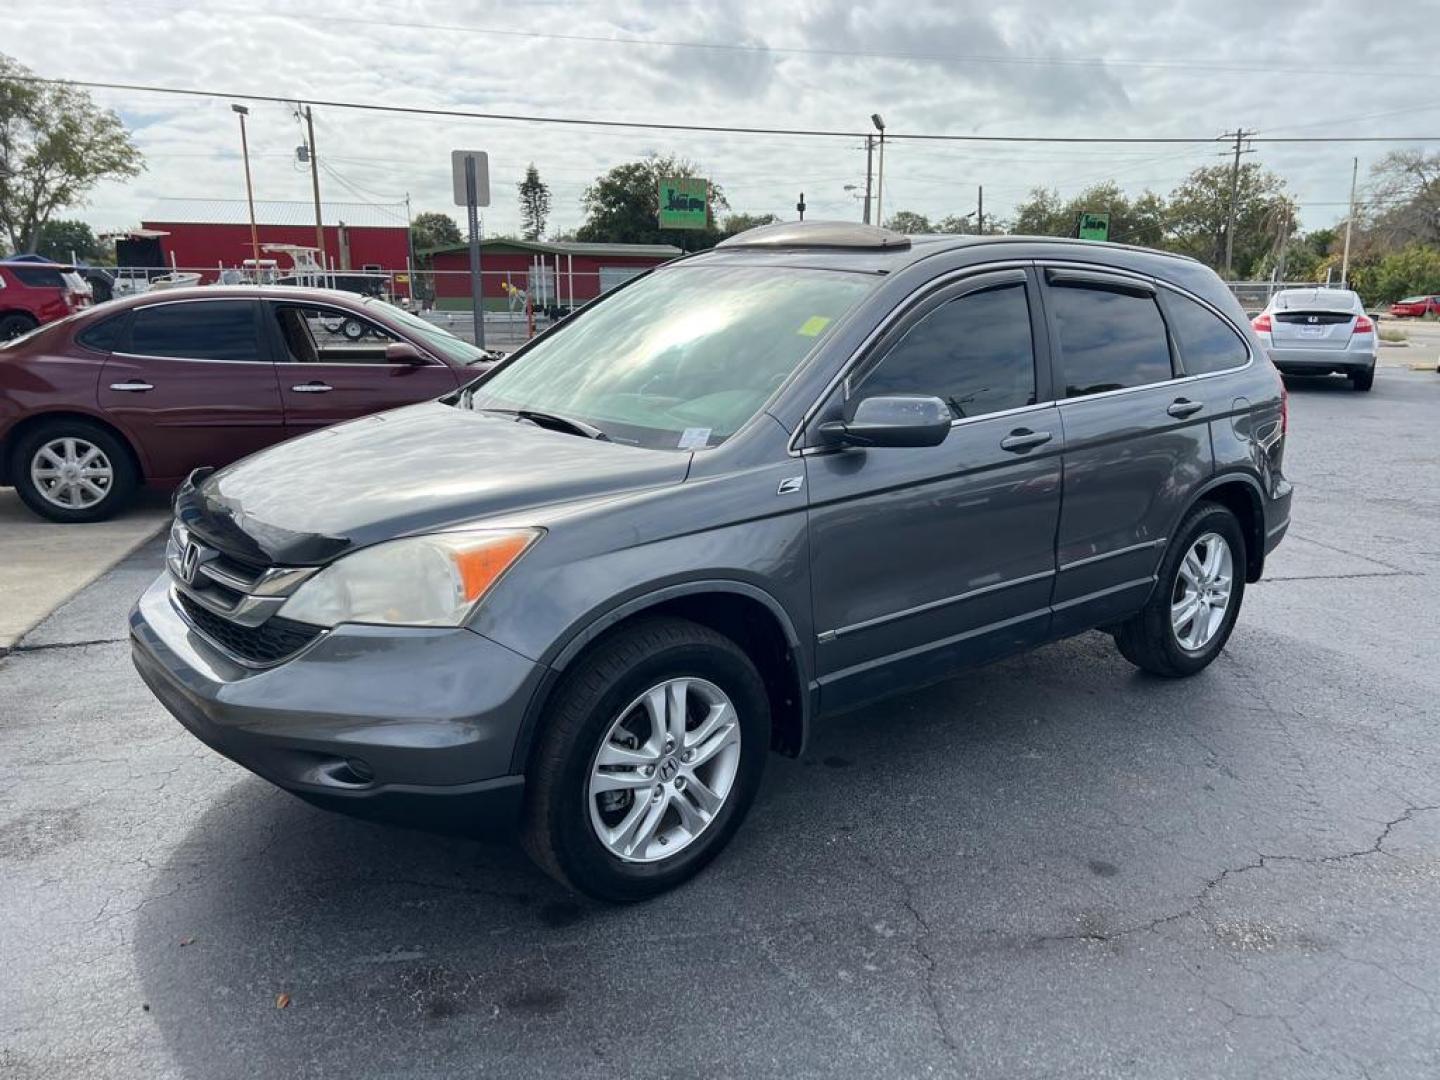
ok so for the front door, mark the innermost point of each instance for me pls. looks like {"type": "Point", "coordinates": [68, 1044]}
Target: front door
{"type": "Point", "coordinates": [1136, 443]}
{"type": "Point", "coordinates": [332, 366]}
{"type": "Point", "coordinates": [191, 381]}
{"type": "Point", "coordinates": [924, 560]}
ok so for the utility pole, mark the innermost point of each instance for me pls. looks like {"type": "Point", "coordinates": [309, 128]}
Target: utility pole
{"type": "Point", "coordinates": [869, 169]}
{"type": "Point", "coordinates": [315, 184]}
{"type": "Point", "coordinates": [980, 211]}
{"type": "Point", "coordinates": [1240, 135]}
{"type": "Point", "coordinates": [1349, 221]}
{"type": "Point", "coordinates": [880, 178]}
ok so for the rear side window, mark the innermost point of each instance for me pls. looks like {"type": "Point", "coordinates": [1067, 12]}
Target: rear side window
{"type": "Point", "coordinates": [38, 277]}
{"type": "Point", "coordinates": [1207, 343]}
{"type": "Point", "coordinates": [105, 335]}
{"type": "Point", "coordinates": [1108, 340]}
{"type": "Point", "coordinates": [973, 352]}
{"type": "Point", "coordinates": [203, 330]}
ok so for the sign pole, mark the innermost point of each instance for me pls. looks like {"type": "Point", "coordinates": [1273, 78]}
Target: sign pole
{"type": "Point", "coordinates": [477, 288]}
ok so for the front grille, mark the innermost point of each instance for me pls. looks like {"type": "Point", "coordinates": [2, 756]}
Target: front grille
{"type": "Point", "coordinates": [269, 643]}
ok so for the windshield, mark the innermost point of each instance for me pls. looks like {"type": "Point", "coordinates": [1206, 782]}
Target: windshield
{"type": "Point", "coordinates": [438, 338]}
{"type": "Point", "coordinates": [681, 358]}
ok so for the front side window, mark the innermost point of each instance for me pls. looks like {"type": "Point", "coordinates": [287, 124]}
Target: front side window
{"type": "Point", "coordinates": [197, 330]}
{"type": "Point", "coordinates": [1108, 339]}
{"type": "Point", "coordinates": [973, 352]}
{"type": "Point", "coordinates": [1206, 341]}
{"type": "Point", "coordinates": [680, 359]}
{"type": "Point", "coordinates": [314, 334]}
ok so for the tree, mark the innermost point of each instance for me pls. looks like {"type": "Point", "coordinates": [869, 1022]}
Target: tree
{"type": "Point", "coordinates": [1405, 200]}
{"type": "Point", "coordinates": [55, 145]}
{"type": "Point", "coordinates": [434, 229]}
{"type": "Point", "coordinates": [1411, 271]}
{"type": "Point", "coordinates": [1141, 221]}
{"type": "Point", "coordinates": [738, 223]}
{"type": "Point", "coordinates": [1199, 209]}
{"type": "Point", "coordinates": [909, 222]}
{"type": "Point", "coordinates": [623, 207]}
{"type": "Point", "coordinates": [534, 203]}
{"type": "Point", "coordinates": [59, 238]}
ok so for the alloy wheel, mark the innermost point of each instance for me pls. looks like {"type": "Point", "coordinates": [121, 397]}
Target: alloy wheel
{"type": "Point", "coordinates": [1201, 596]}
{"type": "Point", "coordinates": [72, 473]}
{"type": "Point", "coordinates": [664, 770]}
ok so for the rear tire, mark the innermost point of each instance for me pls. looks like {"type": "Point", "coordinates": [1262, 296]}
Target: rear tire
{"type": "Point", "coordinates": [12, 326]}
{"type": "Point", "coordinates": [1362, 380]}
{"type": "Point", "coordinates": [1151, 639]}
{"type": "Point", "coordinates": [583, 837]}
{"type": "Point", "coordinates": [101, 483]}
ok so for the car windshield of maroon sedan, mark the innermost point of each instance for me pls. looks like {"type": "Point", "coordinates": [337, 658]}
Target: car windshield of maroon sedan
{"type": "Point", "coordinates": [680, 359]}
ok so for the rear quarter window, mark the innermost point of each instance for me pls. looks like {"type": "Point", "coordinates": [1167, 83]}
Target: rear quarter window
{"type": "Point", "coordinates": [1207, 342]}
{"type": "Point", "coordinates": [38, 277]}
{"type": "Point", "coordinates": [105, 335]}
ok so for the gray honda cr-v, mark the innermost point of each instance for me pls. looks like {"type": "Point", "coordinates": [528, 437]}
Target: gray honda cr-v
{"type": "Point", "coordinates": [584, 597]}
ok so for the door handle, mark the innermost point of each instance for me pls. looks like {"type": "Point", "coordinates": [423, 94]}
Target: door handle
{"type": "Point", "coordinates": [312, 388]}
{"type": "Point", "coordinates": [134, 386]}
{"type": "Point", "coordinates": [1023, 439]}
{"type": "Point", "coordinates": [1183, 407]}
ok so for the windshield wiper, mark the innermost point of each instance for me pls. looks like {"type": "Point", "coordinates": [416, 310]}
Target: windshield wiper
{"type": "Point", "coordinates": [554, 420]}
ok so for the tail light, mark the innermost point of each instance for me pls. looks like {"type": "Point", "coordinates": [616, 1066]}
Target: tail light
{"type": "Point", "coordinates": [1363, 325]}
{"type": "Point", "coordinates": [1261, 323]}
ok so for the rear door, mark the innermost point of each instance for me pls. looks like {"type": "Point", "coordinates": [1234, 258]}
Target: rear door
{"type": "Point", "coordinates": [925, 559]}
{"type": "Point", "coordinates": [192, 382]}
{"type": "Point", "coordinates": [332, 366]}
{"type": "Point", "coordinates": [1136, 446]}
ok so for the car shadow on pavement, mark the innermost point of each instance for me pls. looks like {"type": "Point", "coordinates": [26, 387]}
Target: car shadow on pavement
{"type": "Point", "coordinates": [985, 799]}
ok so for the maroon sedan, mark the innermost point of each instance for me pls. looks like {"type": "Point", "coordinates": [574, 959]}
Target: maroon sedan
{"type": "Point", "coordinates": [147, 388]}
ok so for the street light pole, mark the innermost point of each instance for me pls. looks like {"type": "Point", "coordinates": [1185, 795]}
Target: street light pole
{"type": "Point", "coordinates": [243, 112]}
{"type": "Point", "coordinates": [879, 123]}
{"type": "Point", "coordinates": [869, 169]}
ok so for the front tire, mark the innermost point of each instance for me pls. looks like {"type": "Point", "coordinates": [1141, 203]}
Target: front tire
{"type": "Point", "coordinates": [653, 750]}
{"type": "Point", "coordinates": [1200, 587]}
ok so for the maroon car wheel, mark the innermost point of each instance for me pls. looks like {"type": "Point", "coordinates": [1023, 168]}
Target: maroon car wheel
{"type": "Point", "coordinates": [73, 471]}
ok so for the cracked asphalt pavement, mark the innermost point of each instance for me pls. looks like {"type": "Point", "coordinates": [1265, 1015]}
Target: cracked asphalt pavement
{"type": "Point", "coordinates": [1052, 867]}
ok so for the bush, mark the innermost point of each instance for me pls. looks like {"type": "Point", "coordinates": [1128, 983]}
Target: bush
{"type": "Point", "coordinates": [1411, 271]}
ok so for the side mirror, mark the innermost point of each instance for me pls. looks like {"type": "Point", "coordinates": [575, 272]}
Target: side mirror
{"type": "Point", "coordinates": [898, 420]}
{"type": "Point", "coordinates": [402, 352]}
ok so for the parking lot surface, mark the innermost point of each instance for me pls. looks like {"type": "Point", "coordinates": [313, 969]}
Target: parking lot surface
{"type": "Point", "coordinates": [1054, 866]}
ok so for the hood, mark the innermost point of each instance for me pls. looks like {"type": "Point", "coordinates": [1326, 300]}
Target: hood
{"type": "Point", "coordinates": [416, 469]}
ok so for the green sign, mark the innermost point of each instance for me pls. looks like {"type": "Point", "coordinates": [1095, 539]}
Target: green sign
{"type": "Point", "coordinates": [683, 202]}
{"type": "Point", "coordinates": [1090, 226]}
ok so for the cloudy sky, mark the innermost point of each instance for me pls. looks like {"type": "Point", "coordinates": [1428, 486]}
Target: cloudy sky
{"type": "Point", "coordinates": [1027, 67]}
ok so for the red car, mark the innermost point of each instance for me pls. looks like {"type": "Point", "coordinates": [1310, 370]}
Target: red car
{"type": "Point", "coordinates": [1416, 306]}
{"type": "Point", "coordinates": [33, 293]}
{"type": "Point", "coordinates": [147, 388]}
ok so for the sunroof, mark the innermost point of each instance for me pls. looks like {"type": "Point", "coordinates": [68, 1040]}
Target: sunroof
{"type": "Point", "coordinates": [818, 234]}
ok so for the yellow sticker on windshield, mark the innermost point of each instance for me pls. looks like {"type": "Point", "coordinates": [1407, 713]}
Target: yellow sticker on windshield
{"type": "Point", "coordinates": [812, 326]}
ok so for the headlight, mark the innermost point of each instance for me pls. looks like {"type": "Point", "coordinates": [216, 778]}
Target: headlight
{"type": "Point", "coordinates": [433, 580]}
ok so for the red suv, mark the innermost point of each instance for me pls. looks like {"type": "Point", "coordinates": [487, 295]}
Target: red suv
{"type": "Point", "coordinates": [144, 389]}
{"type": "Point", "coordinates": [34, 293]}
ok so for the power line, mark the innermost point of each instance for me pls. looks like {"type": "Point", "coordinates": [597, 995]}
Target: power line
{"type": "Point", "coordinates": [464, 114]}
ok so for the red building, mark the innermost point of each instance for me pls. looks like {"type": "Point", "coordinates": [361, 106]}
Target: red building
{"type": "Point", "coordinates": [206, 234]}
{"type": "Point", "coordinates": [556, 273]}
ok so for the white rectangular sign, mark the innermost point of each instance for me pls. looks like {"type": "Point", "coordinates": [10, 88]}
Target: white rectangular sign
{"type": "Point", "coordinates": [482, 176]}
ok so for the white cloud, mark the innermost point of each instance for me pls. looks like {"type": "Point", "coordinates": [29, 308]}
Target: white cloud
{"type": "Point", "coordinates": [398, 53]}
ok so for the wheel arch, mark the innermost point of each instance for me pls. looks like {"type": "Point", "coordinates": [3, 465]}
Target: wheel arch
{"type": "Point", "coordinates": [1242, 495]}
{"type": "Point", "coordinates": [745, 613]}
{"type": "Point", "coordinates": [9, 442]}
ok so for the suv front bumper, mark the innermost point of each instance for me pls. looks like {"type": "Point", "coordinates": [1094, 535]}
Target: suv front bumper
{"type": "Point", "coordinates": [409, 724]}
